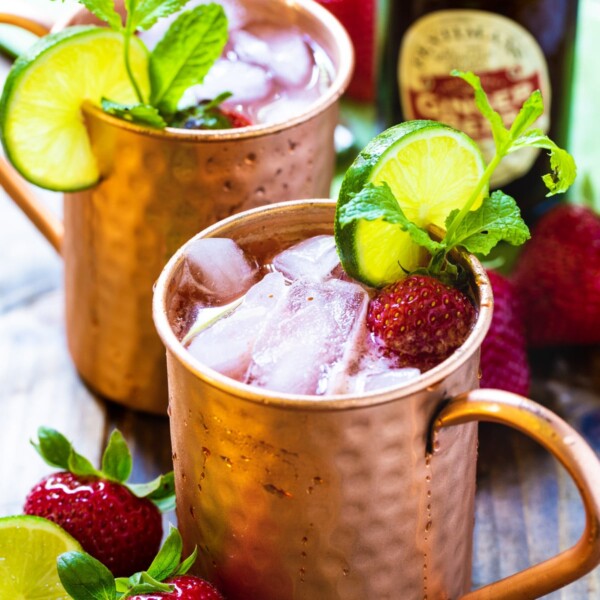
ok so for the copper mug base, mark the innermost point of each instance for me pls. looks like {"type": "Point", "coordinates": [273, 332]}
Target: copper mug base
{"type": "Point", "coordinates": [157, 189]}
{"type": "Point", "coordinates": [356, 497]}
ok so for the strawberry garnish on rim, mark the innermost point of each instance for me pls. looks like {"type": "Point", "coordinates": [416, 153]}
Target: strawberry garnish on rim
{"type": "Point", "coordinates": [117, 522]}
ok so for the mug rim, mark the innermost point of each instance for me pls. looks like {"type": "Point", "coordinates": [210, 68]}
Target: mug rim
{"type": "Point", "coordinates": [336, 88]}
{"type": "Point", "coordinates": [243, 391]}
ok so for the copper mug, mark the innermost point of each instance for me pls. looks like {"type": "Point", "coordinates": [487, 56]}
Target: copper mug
{"type": "Point", "coordinates": [355, 497]}
{"type": "Point", "coordinates": [157, 189]}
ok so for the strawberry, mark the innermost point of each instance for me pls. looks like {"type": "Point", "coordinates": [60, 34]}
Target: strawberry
{"type": "Point", "coordinates": [84, 577]}
{"type": "Point", "coordinates": [186, 587]}
{"type": "Point", "coordinates": [236, 118]}
{"type": "Point", "coordinates": [420, 320]}
{"type": "Point", "coordinates": [358, 17]}
{"type": "Point", "coordinates": [558, 278]}
{"type": "Point", "coordinates": [504, 363]}
{"type": "Point", "coordinates": [120, 524]}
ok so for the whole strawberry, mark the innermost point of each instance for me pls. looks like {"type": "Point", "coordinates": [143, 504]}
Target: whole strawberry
{"type": "Point", "coordinates": [558, 278]}
{"type": "Point", "coordinates": [420, 320]}
{"type": "Point", "coordinates": [504, 363]}
{"type": "Point", "coordinates": [118, 523]}
{"type": "Point", "coordinates": [84, 577]}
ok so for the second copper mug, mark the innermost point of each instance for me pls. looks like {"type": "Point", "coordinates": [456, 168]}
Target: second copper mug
{"type": "Point", "coordinates": [357, 497]}
{"type": "Point", "coordinates": [157, 189]}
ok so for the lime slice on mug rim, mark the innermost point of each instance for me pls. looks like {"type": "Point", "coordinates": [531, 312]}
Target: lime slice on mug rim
{"type": "Point", "coordinates": [29, 549]}
{"type": "Point", "coordinates": [432, 169]}
{"type": "Point", "coordinates": [41, 123]}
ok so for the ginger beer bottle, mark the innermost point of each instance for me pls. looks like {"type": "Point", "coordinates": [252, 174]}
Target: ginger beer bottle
{"type": "Point", "coordinates": [515, 46]}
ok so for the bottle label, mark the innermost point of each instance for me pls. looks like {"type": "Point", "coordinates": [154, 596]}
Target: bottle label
{"type": "Point", "coordinates": [506, 57]}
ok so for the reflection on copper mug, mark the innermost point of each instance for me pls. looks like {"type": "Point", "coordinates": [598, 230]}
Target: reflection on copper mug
{"type": "Point", "coordinates": [158, 188]}
{"type": "Point", "coordinates": [350, 497]}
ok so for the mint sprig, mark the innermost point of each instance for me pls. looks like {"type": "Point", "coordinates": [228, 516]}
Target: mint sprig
{"type": "Point", "coordinates": [117, 464]}
{"type": "Point", "coordinates": [86, 578]}
{"type": "Point", "coordinates": [181, 59]}
{"type": "Point", "coordinates": [498, 218]}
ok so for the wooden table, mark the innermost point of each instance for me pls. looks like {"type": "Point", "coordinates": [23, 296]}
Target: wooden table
{"type": "Point", "coordinates": [527, 508]}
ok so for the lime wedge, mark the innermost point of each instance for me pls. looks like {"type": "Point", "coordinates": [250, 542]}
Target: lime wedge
{"type": "Point", "coordinates": [41, 123]}
{"type": "Point", "coordinates": [431, 169]}
{"type": "Point", "coordinates": [29, 547]}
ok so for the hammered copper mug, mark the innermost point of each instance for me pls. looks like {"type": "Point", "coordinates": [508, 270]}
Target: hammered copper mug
{"type": "Point", "coordinates": [354, 497]}
{"type": "Point", "coordinates": [157, 189]}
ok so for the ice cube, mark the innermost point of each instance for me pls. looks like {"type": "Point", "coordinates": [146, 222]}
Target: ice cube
{"type": "Point", "coordinates": [313, 331]}
{"type": "Point", "coordinates": [283, 51]}
{"type": "Point", "coordinates": [314, 258]}
{"type": "Point", "coordinates": [375, 371]}
{"type": "Point", "coordinates": [245, 82]}
{"type": "Point", "coordinates": [286, 107]}
{"type": "Point", "coordinates": [226, 345]}
{"type": "Point", "coordinates": [219, 269]}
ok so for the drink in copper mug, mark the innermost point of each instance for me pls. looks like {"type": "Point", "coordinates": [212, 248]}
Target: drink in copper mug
{"type": "Point", "coordinates": [293, 494]}
{"type": "Point", "coordinates": [159, 187]}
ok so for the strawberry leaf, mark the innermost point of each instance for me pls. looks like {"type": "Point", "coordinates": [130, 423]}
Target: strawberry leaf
{"type": "Point", "coordinates": [85, 578]}
{"type": "Point", "coordinates": [161, 491]}
{"type": "Point", "coordinates": [378, 202]}
{"type": "Point", "coordinates": [168, 558]}
{"type": "Point", "coordinates": [80, 465]}
{"type": "Point", "coordinates": [185, 54]}
{"type": "Point", "coordinates": [116, 460]}
{"type": "Point", "coordinates": [497, 219]}
{"type": "Point", "coordinates": [187, 564]}
{"type": "Point", "coordinates": [53, 447]}
{"type": "Point", "coordinates": [148, 585]}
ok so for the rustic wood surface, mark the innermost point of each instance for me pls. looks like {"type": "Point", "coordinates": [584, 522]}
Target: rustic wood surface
{"type": "Point", "coordinates": [527, 509]}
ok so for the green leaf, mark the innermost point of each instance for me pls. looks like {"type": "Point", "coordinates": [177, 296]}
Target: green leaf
{"type": "Point", "coordinates": [564, 169]}
{"type": "Point", "coordinates": [148, 585]}
{"type": "Point", "coordinates": [203, 116]}
{"type": "Point", "coordinates": [85, 578]}
{"type": "Point", "coordinates": [161, 491]}
{"type": "Point", "coordinates": [140, 114]}
{"type": "Point", "coordinates": [378, 202]}
{"type": "Point", "coordinates": [168, 558]}
{"type": "Point", "coordinates": [497, 219]}
{"type": "Point", "coordinates": [80, 465]}
{"type": "Point", "coordinates": [499, 131]}
{"type": "Point", "coordinates": [187, 564]}
{"type": "Point", "coordinates": [186, 53]}
{"type": "Point", "coordinates": [530, 112]}
{"type": "Point", "coordinates": [147, 12]}
{"type": "Point", "coordinates": [105, 11]}
{"type": "Point", "coordinates": [53, 447]}
{"type": "Point", "coordinates": [116, 460]}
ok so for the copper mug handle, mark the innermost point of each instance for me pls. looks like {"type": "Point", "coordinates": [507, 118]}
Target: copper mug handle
{"type": "Point", "coordinates": [48, 224]}
{"type": "Point", "coordinates": [570, 449]}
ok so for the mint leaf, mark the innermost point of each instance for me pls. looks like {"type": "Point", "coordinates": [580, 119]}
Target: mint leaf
{"type": "Point", "coordinates": [105, 11]}
{"type": "Point", "coordinates": [205, 115]}
{"type": "Point", "coordinates": [378, 202]}
{"type": "Point", "coordinates": [147, 12]}
{"type": "Point", "coordinates": [185, 54]}
{"type": "Point", "coordinates": [499, 131]}
{"type": "Point", "coordinates": [497, 219]}
{"type": "Point", "coordinates": [564, 170]}
{"type": "Point", "coordinates": [187, 564]}
{"type": "Point", "coordinates": [53, 447]}
{"type": "Point", "coordinates": [167, 560]}
{"type": "Point", "coordinates": [530, 112]}
{"type": "Point", "coordinates": [116, 460]}
{"type": "Point", "coordinates": [85, 578]}
{"type": "Point", "coordinates": [140, 114]}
